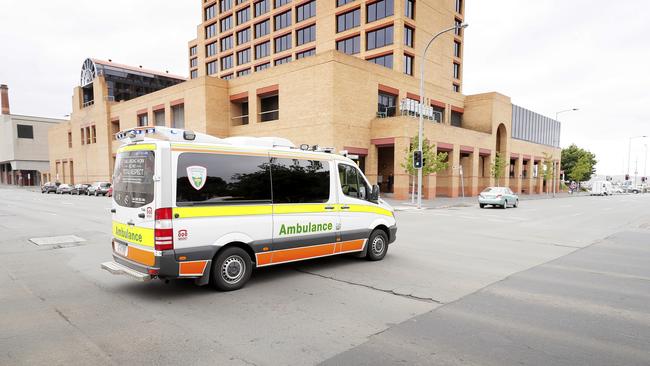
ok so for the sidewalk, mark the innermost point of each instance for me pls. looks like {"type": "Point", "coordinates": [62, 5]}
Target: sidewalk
{"type": "Point", "coordinates": [445, 202]}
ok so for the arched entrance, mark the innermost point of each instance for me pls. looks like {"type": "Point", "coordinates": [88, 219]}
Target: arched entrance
{"type": "Point", "coordinates": [502, 140]}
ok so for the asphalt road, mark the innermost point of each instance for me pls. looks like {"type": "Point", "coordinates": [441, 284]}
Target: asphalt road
{"type": "Point", "coordinates": [553, 282]}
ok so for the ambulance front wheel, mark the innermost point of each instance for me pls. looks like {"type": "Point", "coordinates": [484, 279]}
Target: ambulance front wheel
{"type": "Point", "coordinates": [231, 269]}
{"type": "Point", "coordinates": [377, 245]}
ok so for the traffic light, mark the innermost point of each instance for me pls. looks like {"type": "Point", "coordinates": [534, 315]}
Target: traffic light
{"type": "Point", "coordinates": [417, 159]}
{"type": "Point", "coordinates": [627, 177]}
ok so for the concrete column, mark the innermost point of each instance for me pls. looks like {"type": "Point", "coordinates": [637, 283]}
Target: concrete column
{"type": "Point", "coordinates": [455, 172]}
{"type": "Point", "coordinates": [254, 108]}
{"type": "Point", "coordinates": [474, 178]}
{"type": "Point", "coordinates": [493, 182]}
{"type": "Point", "coordinates": [519, 169]}
{"type": "Point", "coordinates": [401, 177]}
{"type": "Point", "coordinates": [371, 164]}
{"type": "Point", "coordinates": [430, 186]}
{"type": "Point", "coordinates": [540, 177]}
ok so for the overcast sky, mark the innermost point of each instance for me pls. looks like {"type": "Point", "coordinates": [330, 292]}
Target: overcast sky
{"type": "Point", "coordinates": [546, 55]}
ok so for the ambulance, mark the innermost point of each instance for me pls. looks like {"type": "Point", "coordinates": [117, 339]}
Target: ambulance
{"type": "Point", "coordinates": [189, 205]}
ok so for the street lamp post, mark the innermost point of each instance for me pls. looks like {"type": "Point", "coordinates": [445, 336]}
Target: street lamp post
{"type": "Point", "coordinates": [421, 122]}
{"type": "Point", "coordinates": [556, 170]}
{"type": "Point", "coordinates": [629, 151]}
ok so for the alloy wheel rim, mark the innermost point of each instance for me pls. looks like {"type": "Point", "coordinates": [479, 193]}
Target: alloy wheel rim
{"type": "Point", "coordinates": [233, 269]}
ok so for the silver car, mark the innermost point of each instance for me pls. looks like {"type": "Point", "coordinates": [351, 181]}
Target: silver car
{"type": "Point", "coordinates": [498, 196]}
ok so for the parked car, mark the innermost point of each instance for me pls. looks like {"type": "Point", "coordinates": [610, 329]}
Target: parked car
{"type": "Point", "coordinates": [49, 187]}
{"type": "Point", "coordinates": [498, 196]}
{"type": "Point", "coordinates": [64, 188]}
{"type": "Point", "coordinates": [80, 189]}
{"type": "Point", "coordinates": [99, 188]}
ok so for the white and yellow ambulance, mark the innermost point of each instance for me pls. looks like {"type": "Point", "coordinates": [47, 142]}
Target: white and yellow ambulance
{"type": "Point", "coordinates": [188, 205]}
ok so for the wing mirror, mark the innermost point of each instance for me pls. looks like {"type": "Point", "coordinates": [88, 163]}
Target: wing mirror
{"type": "Point", "coordinates": [374, 196]}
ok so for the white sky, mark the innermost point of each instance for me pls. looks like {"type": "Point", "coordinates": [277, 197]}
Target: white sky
{"type": "Point", "coordinates": [546, 55]}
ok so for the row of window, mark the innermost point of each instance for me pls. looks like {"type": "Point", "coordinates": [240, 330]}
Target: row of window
{"type": "Point", "coordinates": [374, 11]}
{"type": "Point", "coordinates": [280, 21]}
{"type": "Point", "coordinates": [269, 109]}
{"type": "Point", "coordinates": [387, 106]}
{"type": "Point", "coordinates": [88, 135]}
{"type": "Point", "coordinates": [177, 121]}
{"type": "Point", "coordinates": [243, 57]}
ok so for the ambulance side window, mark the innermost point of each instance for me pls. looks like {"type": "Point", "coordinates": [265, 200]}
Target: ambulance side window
{"type": "Point", "coordinates": [222, 179]}
{"type": "Point", "coordinates": [300, 181]}
{"type": "Point", "coordinates": [352, 183]}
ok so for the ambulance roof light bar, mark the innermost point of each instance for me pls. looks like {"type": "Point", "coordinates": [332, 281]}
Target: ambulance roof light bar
{"type": "Point", "coordinates": [164, 133]}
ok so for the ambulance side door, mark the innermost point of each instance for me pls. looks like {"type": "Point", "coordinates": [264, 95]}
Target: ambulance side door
{"type": "Point", "coordinates": [355, 210]}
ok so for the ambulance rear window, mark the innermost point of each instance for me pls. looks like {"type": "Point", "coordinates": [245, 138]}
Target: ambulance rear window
{"type": "Point", "coordinates": [133, 178]}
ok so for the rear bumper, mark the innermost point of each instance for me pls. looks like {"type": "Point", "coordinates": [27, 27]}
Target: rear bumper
{"type": "Point", "coordinates": [493, 201]}
{"type": "Point", "coordinates": [119, 269]}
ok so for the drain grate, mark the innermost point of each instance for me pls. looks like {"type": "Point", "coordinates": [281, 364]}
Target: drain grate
{"type": "Point", "coordinates": [60, 241]}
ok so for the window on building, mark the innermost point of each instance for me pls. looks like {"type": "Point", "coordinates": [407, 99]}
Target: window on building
{"type": "Point", "coordinates": [262, 28]}
{"type": "Point", "coordinates": [459, 6]}
{"type": "Point", "coordinates": [193, 51]}
{"type": "Point", "coordinates": [243, 36]}
{"type": "Point", "coordinates": [350, 45]}
{"type": "Point", "coordinates": [70, 139]}
{"type": "Point", "coordinates": [282, 20]}
{"type": "Point", "coordinates": [211, 68]}
{"type": "Point", "coordinates": [300, 181]}
{"type": "Point", "coordinates": [438, 113]}
{"type": "Point", "coordinates": [263, 66]}
{"type": "Point", "coordinates": [88, 136]}
{"type": "Point", "coordinates": [231, 179]}
{"type": "Point", "coordinates": [239, 2]}
{"type": "Point", "coordinates": [115, 127]}
{"type": "Point", "coordinates": [304, 54]}
{"type": "Point", "coordinates": [143, 120]}
{"type": "Point", "coordinates": [226, 43]}
{"type": "Point", "coordinates": [243, 15]}
{"type": "Point", "coordinates": [283, 60]}
{"type": "Point", "coordinates": [194, 62]}
{"type": "Point", "coordinates": [408, 36]}
{"type": "Point", "coordinates": [262, 7]}
{"type": "Point", "coordinates": [459, 30]}
{"type": "Point", "coordinates": [456, 88]}
{"type": "Point", "coordinates": [386, 60]}
{"type": "Point", "coordinates": [93, 133]}
{"type": "Point", "coordinates": [348, 20]}
{"type": "Point", "coordinates": [262, 50]}
{"type": "Point", "coordinates": [409, 8]}
{"type": "Point", "coordinates": [352, 183]}
{"type": "Point", "coordinates": [82, 131]}
{"type": "Point", "coordinates": [240, 112]}
{"type": "Point", "coordinates": [279, 3]}
{"type": "Point", "coordinates": [178, 116]}
{"type": "Point", "coordinates": [456, 70]}
{"type": "Point", "coordinates": [379, 10]}
{"type": "Point", "coordinates": [228, 76]}
{"type": "Point", "coordinates": [211, 49]}
{"type": "Point", "coordinates": [408, 64]}
{"type": "Point", "coordinates": [456, 119]}
{"type": "Point", "coordinates": [306, 11]}
{"type": "Point", "coordinates": [226, 62]}
{"type": "Point", "coordinates": [379, 38]}
{"type": "Point", "coordinates": [210, 12]}
{"type": "Point", "coordinates": [343, 2]}
{"type": "Point", "coordinates": [244, 56]}
{"type": "Point", "coordinates": [457, 49]}
{"type": "Point", "coordinates": [194, 74]}
{"type": "Point", "coordinates": [225, 5]}
{"type": "Point", "coordinates": [211, 30]}
{"type": "Point", "coordinates": [159, 117]}
{"type": "Point", "coordinates": [269, 108]}
{"type": "Point", "coordinates": [243, 72]}
{"type": "Point", "coordinates": [225, 23]}
{"type": "Point", "coordinates": [283, 43]}
{"type": "Point", "coordinates": [386, 104]}
{"type": "Point", "coordinates": [306, 35]}
{"type": "Point", "coordinates": [25, 131]}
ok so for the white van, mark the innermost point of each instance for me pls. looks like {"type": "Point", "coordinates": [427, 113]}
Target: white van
{"type": "Point", "coordinates": [188, 205]}
{"type": "Point", "coordinates": [602, 188]}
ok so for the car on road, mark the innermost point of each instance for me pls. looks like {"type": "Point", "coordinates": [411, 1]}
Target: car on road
{"type": "Point", "coordinates": [64, 188]}
{"type": "Point", "coordinates": [99, 189]}
{"type": "Point", "coordinates": [189, 205]}
{"type": "Point", "coordinates": [80, 189]}
{"type": "Point", "coordinates": [498, 197]}
{"type": "Point", "coordinates": [49, 187]}
{"type": "Point", "coordinates": [601, 188]}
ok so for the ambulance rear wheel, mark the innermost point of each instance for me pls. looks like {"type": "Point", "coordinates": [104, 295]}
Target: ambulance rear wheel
{"type": "Point", "coordinates": [377, 245]}
{"type": "Point", "coordinates": [231, 269]}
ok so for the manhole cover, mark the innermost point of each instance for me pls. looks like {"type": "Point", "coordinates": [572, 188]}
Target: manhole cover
{"type": "Point", "coordinates": [57, 240]}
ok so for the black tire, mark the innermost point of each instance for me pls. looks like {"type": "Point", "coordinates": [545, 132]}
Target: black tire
{"type": "Point", "coordinates": [224, 275]}
{"type": "Point", "coordinates": [481, 205]}
{"type": "Point", "coordinates": [505, 205]}
{"type": "Point", "coordinates": [516, 204]}
{"type": "Point", "coordinates": [377, 245]}
{"type": "Point", "coordinates": [96, 194]}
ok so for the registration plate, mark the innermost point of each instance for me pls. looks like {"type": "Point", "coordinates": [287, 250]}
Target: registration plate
{"type": "Point", "coordinates": [121, 249]}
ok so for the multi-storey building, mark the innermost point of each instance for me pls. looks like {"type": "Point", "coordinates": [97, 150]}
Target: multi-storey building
{"type": "Point", "coordinates": [333, 92]}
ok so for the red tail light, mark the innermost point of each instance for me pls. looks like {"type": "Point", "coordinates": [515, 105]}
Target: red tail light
{"type": "Point", "coordinates": [164, 230]}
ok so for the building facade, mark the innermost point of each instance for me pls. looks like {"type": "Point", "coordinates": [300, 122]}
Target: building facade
{"type": "Point", "coordinates": [334, 99]}
{"type": "Point", "coordinates": [24, 158]}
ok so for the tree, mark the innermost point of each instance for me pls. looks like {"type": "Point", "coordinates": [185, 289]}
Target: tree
{"type": "Point", "coordinates": [433, 162]}
{"type": "Point", "coordinates": [570, 158]}
{"type": "Point", "coordinates": [548, 169]}
{"type": "Point", "coordinates": [498, 167]}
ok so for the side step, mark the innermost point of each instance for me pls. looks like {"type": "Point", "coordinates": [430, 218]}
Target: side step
{"type": "Point", "coordinates": [118, 269]}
